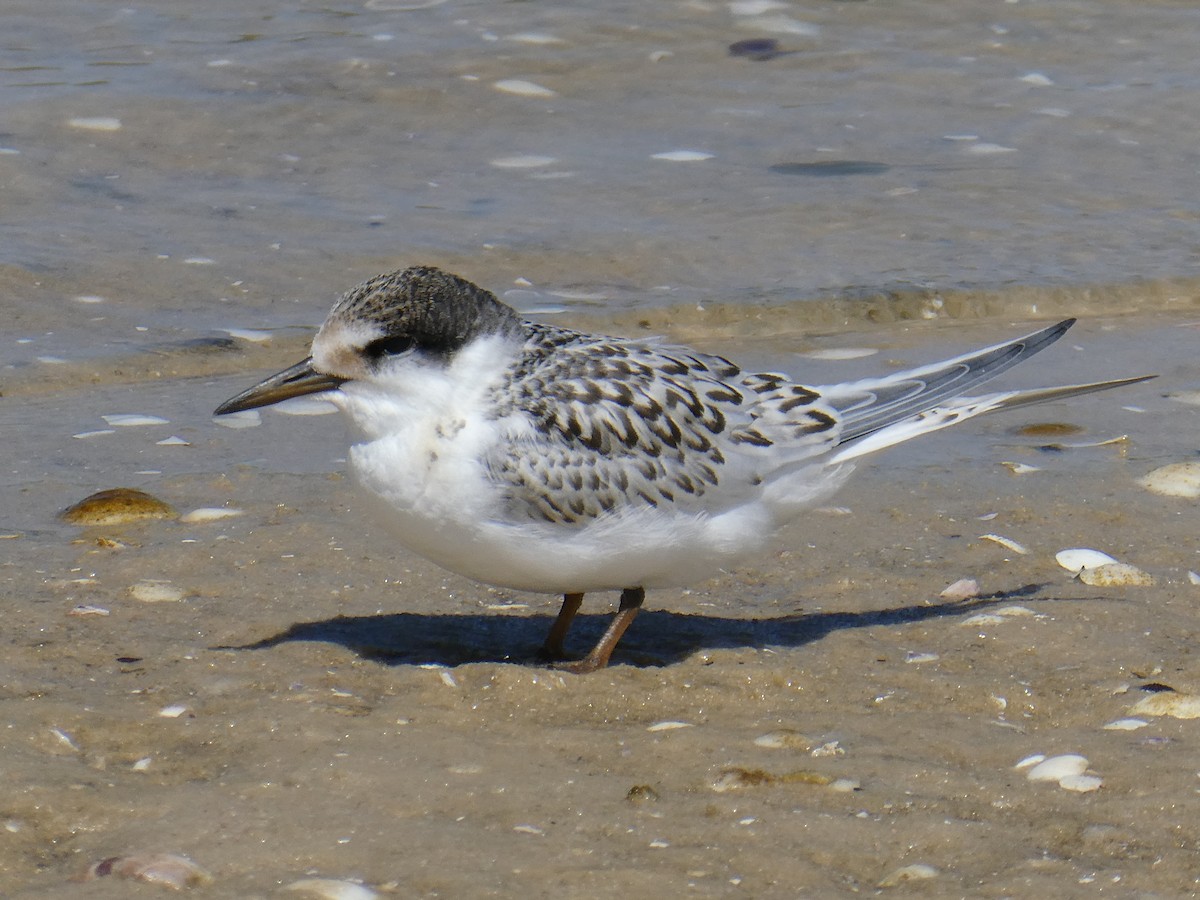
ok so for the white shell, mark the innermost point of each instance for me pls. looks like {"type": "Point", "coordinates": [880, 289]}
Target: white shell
{"type": "Point", "coordinates": [1083, 784]}
{"type": "Point", "coordinates": [963, 589]}
{"type": "Point", "coordinates": [1057, 768]}
{"type": "Point", "coordinates": [208, 514]}
{"type": "Point", "coordinates": [132, 419]}
{"type": "Point", "coordinates": [332, 889]}
{"type": "Point", "coordinates": [1126, 725]}
{"type": "Point", "coordinates": [668, 726]}
{"type": "Point", "coordinates": [683, 155]}
{"type": "Point", "coordinates": [1078, 558]}
{"type": "Point", "coordinates": [1180, 479]}
{"type": "Point", "coordinates": [523, 88]}
{"type": "Point", "coordinates": [1116, 575]}
{"type": "Point", "coordinates": [1007, 543]}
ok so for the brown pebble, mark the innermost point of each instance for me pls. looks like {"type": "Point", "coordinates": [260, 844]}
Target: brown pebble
{"type": "Point", "coordinates": [117, 506]}
{"type": "Point", "coordinates": [642, 793]}
{"type": "Point", "coordinates": [1048, 429]}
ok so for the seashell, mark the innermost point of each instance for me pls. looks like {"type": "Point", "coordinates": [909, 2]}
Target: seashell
{"type": "Point", "coordinates": [1168, 703]}
{"type": "Point", "coordinates": [682, 155]}
{"type": "Point", "coordinates": [1194, 577]}
{"type": "Point", "coordinates": [1079, 558]}
{"type": "Point", "coordinates": [1181, 479]}
{"type": "Point", "coordinates": [1020, 468]}
{"type": "Point", "coordinates": [133, 419]}
{"type": "Point", "coordinates": [117, 506]}
{"type": "Point", "coordinates": [784, 738]}
{"type": "Point", "coordinates": [332, 889]}
{"type": "Point", "coordinates": [1116, 575]}
{"type": "Point", "coordinates": [523, 161]}
{"type": "Point", "coordinates": [914, 872]}
{"type": "Point", "coordinates": [916, 657]}
{"type": "Point", "coordinates": [1126, 725]}
{"type": "Point", "coordinates": [1057, 768]}
{"type": "Point", "coordinates": [523, 88]}
{"type": "Point", "coordinates": [668, 726]}
{"type": "Point", "coordinates": [155, 592]}
{"type": "Point", "coordinates": [208, 514]}
{"type": "Point", "coordinates": [963, 589]}
{"type": "Point", "coordinates": [1007, 543]}
{"type": "Point", "coordinates": [166, 869]}
{"type": "Point", "coordinates": [1082, 784]}
{"type": "Point", "coordinates": [95, 123]}
{"type": "Point", "coordinates": [1030, 761]}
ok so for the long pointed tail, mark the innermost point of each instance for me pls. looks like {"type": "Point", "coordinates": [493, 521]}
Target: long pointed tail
{"type": "Point", "coordinates": [960, 409]}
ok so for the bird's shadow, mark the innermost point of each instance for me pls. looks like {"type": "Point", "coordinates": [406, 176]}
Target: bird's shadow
{"type": "Point", "coordinates": [657, 638]}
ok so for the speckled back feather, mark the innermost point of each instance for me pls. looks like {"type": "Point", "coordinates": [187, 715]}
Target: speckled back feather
{"type": "Point", "coordinates": [621, 425]}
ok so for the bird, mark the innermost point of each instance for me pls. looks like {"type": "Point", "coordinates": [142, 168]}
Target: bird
{"type": "Point", "coordinates": [537, 458]}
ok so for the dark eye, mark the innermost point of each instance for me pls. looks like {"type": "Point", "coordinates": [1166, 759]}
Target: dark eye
{"type": "Point", "coordinates": [388, 346]}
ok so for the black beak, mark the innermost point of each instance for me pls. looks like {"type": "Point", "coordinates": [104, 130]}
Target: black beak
{"type": "Point", "coordinates": [297, 381]}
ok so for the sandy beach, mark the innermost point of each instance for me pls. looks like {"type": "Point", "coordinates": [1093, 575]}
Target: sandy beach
{"type": "Point", "coordinates": [306, 701]}
{"type": "Point", "coordinates": [834, 190]}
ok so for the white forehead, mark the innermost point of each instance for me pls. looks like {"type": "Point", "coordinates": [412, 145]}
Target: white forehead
{"type": "Point", "coordinates": [337, 348]}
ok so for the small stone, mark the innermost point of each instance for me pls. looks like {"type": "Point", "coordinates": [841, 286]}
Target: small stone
{"type": "Point", "coordinates": [117, 506]}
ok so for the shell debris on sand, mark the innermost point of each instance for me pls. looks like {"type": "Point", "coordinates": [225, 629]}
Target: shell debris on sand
{"type": "Point", "coordinates": [209, 514]}
{"type": "Point", "coordinates": [332, 889]}
{"type": "Point", "coordinates": [1116, 574]}
{"type": "Point", "coordinates": [1168, 703]}
{"type": "Point", "coordinates": [1181, 479]}
{"type": "Point", "coordinates": [166, 869]}
{"type": "Point", "coordinates": [914, 872]}
{"type": "Point", "coordinates": [156, 592]}
{"type": "Point", "coordinates": [117, 506]}
{"type": "Point", "coordinates": [1069, 770]}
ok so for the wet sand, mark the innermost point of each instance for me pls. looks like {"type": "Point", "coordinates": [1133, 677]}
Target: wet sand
{"type": "Point", "coordinates": [351, 711]}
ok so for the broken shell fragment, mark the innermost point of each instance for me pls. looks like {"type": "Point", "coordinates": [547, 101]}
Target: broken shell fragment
{"type": "Point", "coordinates": [208, 514]}
{"type": "Point", "coordinates": [117, 506]}
{"type": "Point", "coordinates": [166, 869]}
{"type": "Point", "coordinates": [156, 592]}
{"type": "Point", "coordinates": [1116, 575]}
{"type": "Point", "coordinates": [1007, 543]}
{"type": "Point", "coordinates": [1180, 479]}
{"type": "Point", "coordinates": [1168, 703]}
{"type": "Point", "coordinates": [332, 889]}
{"type": "Point", "coordinates": [963, 589]}
{"type": "Point", "coordinates": [914, 872]}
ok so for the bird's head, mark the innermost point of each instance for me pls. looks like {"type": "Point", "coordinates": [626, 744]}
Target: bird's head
{"type": "Point", "coordinates": [416, 311]}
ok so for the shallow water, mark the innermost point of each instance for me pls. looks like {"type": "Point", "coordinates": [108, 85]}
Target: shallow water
{"type": "Point", "coordinates": [844, 223]}
{"type": "Point", "coordinates": [269, 157]}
